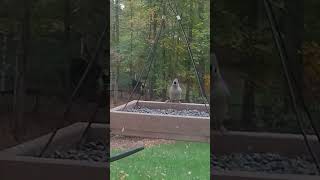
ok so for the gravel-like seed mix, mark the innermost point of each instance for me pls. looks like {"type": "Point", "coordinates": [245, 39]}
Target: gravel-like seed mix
{"type": "Point", "coordinates": [97, 150]}
{"type": "Point", "coordinates": [169, 111]}
{"type": "Point", "coordinates": [90, 151]}
{"type": "Point", "coordinates": [264, 162]}
{"type": "Point", "coordinates": [254, 162]}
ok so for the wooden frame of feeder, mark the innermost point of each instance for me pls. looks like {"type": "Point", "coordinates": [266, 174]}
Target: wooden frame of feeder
{"type": "Point", "coordinates": [290, 145]}
{"type": "Point", "coordinates": [163, 126]}
{"type": "Point", "coordinates": [18, 162]}
{"type": "Point", "coordinates": [20, 158]}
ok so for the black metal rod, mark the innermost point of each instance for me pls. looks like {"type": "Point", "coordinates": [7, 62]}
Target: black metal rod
{"type": "Point", "coordinates": [91, 120]}
{"type": "Point", "coordinates": [204, 96]}
{"type": "Point", "coordinates": [125, 154]}
{"type": "Point", "coordinates": [68, 108]}
{"type": "Point", "coordinates": [152, 60]}
{"type": "Point", "coordinates": [150, 55]}
{"type": "Point", "coordinates": [283, 57]}
{"type": "Point", "coordinates": [100, 100]}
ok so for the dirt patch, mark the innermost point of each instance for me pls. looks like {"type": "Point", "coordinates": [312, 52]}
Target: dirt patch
{"type": "Point", "coordinates": [126, 142]}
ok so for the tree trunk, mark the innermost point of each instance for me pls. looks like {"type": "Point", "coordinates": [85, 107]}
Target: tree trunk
{"type": "Point", "coordinates": [18, 94]}
{"type": "Point", "coordinates": [164, 76]}
{"type": "Point", "coordinates": [293, 24]}
{"type": "Point", "coordinates": [117, 5]}
{"type": "Point", "coordinates": [189, 68]}
{"type": "Point", "coordinates": [248, 105]}
{"type": "Point", "coordinates": [4, 65]}
{"type": "Point", "coordinates": [131, 41]}
{"type": "Point", "coordinates": [112, 21]}
{"type": "Point", "coordinates": [82, 39]}
{"type": "Point", "coordinates": [202, 66]}
{"type": "Point", "coordinates": [117, 39]}
{"type": "Point", "coordinates": [20, 81]}
{"type": "Point", "coordinates": [154, 27]}
{"type": "Point", "coordinates": [164, 56]}
{"type": "Point", "coordinates": [67, 29]}
{"type": "Point", "coordinates": [154, 34]}
{"type": "Point", "coordinates": [150, 22]}
{"type": "Point", "coordinates": [172, 56]}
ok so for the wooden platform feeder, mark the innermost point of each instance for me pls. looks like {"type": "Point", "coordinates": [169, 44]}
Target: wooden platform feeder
{"type": "Point", "coordinates": [290, 145]}
{"type": "Point", "coordinates": [20, 162]}
{"type": "Point", "coordinates": [189, 128]}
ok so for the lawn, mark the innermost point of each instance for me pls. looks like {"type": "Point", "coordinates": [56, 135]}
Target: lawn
{"type": "Point", "coordinates": [178, 161]}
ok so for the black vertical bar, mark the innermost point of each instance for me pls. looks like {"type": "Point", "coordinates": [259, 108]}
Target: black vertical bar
{"type": "Point", "coordinates": [283, 57]}
{"type": "Point", "coordinates": [107, 86]}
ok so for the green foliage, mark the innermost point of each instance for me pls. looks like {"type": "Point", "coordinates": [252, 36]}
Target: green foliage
{"type": "Point", "coordinates": [46, 66]}
{"type": "Point", "coordinates": [142, 19]}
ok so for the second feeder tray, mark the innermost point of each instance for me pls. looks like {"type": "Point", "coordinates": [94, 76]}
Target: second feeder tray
{"type": "Point", "coordinates": [178, 121]}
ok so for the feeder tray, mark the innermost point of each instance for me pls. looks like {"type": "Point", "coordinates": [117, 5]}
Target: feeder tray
{"type": "Point", "coordinates": [21, 161]}
{"type": "Point", "coordinates": [164, 126]}
{"type": "Point", "coordinates": [290, 145]}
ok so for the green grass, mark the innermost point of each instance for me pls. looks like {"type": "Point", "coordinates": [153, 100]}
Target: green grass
{"type": "Point", "coordinates": [179, 161]}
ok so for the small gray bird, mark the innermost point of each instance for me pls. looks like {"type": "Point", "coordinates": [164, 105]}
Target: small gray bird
{"type": "Point", "coordinates": [220, 95]}
{"type": "Point", "coordinates": [175, 91]}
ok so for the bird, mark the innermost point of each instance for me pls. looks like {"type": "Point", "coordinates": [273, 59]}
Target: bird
{"type": "Point", "coordinates": [220, 96]}
{"type": "Point", "coordinates": [175, 91]}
